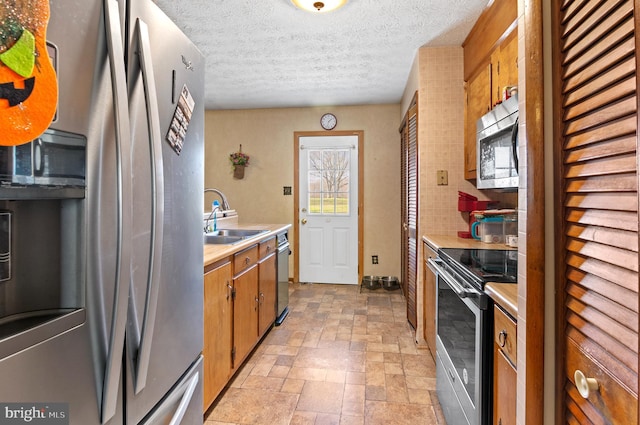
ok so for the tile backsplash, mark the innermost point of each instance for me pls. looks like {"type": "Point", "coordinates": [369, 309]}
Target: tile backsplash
{"type": "Point", "coordinates": [441, 143]}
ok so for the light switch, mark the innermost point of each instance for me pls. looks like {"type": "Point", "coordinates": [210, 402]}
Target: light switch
{"type": "Point", "coordinates": [443, 178]}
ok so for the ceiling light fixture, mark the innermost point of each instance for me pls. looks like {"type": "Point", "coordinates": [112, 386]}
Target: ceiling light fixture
{"type": "Point", "coordinates": [316, 6]}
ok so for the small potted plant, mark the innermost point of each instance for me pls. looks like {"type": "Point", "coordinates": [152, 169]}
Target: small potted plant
{"type": "Point", "coordinates": [239, 160]}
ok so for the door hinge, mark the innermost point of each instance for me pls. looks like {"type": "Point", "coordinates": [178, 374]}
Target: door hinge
{"type": "Point", "coordinates": [233, 293]}
{"type": "Point", "coordinates": [233, 354]}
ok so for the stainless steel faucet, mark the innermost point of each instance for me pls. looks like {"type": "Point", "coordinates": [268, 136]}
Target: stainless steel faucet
{"type": "Point", "coordinates": [225, 207]}
{"type": "Point", "coordinates": [225, 203]}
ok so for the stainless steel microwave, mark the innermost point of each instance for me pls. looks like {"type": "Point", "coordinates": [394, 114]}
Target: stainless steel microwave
{"type": "Point", "coordinates": [497, 147]}
{"type": "Point", "coordinates": [56, 158]}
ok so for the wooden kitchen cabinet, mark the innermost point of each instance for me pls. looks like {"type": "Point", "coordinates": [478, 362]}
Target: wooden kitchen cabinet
{"type": "Point", "coordinates": [504, 67]}
{"type": "Point", "coordinates": [478, 103]}
{"type": "Point", "coordinates": [505, 381]}
{"type": "Point", "coordinates": [267, 286]}
{"type": "Point", "coordinates": [240, 294]}
{"type": "Point", "coordinates": [245, 303]}
{"type": "Point", "coordinates": [490, 64]}
{"type": "Point", "coordinates": [504, 370]}
{"type": "Point", "coordinates": [484, 91]}
{"type": "Point", "coordinates": [429, 301]}
{"type": "Point", "coordinates": [218, 328]}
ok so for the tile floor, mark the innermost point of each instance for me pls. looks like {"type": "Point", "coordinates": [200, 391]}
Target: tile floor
{"type": "Point", "coordinates": [342, 356]}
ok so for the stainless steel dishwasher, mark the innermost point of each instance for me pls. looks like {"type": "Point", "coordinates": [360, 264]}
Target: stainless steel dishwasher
{"type": "Point", "coordinates": [283, 277]}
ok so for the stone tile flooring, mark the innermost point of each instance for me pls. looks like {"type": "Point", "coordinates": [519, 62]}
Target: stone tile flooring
{"type": "Point", "coordinates": [342, 356]}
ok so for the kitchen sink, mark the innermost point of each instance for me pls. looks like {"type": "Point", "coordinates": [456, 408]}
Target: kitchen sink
{"type": "Point", "coordinates": [210, 238]}
{"type": "Point", "coordinates": [243, 233]}
{"type": "Point", "coordinates": [230, 236]}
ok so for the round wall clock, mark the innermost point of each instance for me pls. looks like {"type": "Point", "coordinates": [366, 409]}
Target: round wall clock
{"type": "Point", "coordinates": [328, 121]}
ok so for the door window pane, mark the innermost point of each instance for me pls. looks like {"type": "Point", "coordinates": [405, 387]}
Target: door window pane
{"type": "Point", "coordinates": [329, 181]}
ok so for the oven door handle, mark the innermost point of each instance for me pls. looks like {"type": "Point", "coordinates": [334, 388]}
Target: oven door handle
{"type": "Point", "coordinates": [434, 265]}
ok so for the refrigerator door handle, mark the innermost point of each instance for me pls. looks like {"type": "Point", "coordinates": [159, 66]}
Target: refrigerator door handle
{"type": "Point", "coordinates": [181, 395]}
{"type": "Point", "coordinates": [157, 193]}
{"type": "Point", "coordinates": [185, 400]}
{"type": "Point", "coordinates": [113, 366]}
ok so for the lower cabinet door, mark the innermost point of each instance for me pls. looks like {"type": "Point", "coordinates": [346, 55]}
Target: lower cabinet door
{"type": "Point", "coordinates": [504, 390]}
{"type": "Point", "coordinates": [218, 316]}
{"type": "Point", "coordinates": [267, 293]}
{"type": "Point", "coordinates": [245, 314]}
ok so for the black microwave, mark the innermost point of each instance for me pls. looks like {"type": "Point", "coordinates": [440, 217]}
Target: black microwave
{"type": "Point", "coordinates": [56, 158]}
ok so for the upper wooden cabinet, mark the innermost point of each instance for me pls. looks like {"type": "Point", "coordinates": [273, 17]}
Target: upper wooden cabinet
{"type": "Point", "coordinates": [504, 67]}
{"type": "Point", "coordinates": [478, 103]}
{"type": "Point", "coordinates": [490, 65]}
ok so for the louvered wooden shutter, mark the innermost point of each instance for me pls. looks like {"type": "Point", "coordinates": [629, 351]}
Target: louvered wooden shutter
{"type": "Point", "coordinates": [409, 138]}
{"type": "Point", "coordinates": [596, 105]}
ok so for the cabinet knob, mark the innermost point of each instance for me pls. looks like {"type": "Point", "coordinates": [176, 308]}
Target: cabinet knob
{"type": "Point", "coordinates": [585, 385]}
{"type": "Point", "coordinates": [247, 260]}
{"type": "Point", "coordinates": [502, 338]}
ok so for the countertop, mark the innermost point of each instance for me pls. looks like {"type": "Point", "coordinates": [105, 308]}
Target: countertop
{"type": "Point", "coordinates": [504, 294]}
{"type": "Point", "coordinates": [213, 253]}
{"type": "Point", "coordinates": [446, 241]}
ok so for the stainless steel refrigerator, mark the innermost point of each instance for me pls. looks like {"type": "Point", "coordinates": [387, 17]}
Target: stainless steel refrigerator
{"type": "Point", "coordinates": [101, 314]}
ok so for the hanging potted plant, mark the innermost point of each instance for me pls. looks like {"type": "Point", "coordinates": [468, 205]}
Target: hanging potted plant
{"type": "Point", "coordinates": [239, 160]}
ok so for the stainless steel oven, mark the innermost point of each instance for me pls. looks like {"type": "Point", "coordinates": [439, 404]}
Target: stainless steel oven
{"type": "Point", "coordinates": [464, 325]}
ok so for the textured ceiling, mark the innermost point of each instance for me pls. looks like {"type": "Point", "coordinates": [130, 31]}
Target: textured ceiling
{"type": "Point", "coordinates": [269, 54]}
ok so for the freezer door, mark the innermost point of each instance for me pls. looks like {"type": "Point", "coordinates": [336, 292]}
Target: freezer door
{"type": "Point", "coordinates": [182, 404]}
{"type": "Point", "coordinates": [164, 330]}
{"type": "Point", "coordinates": [59, 370]}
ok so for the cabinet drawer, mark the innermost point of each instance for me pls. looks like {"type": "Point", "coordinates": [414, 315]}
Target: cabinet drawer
{"type": "Point", "coordinates": [245, 259]}
{"type": "Point", "coordinates": [428, 252]}
{"type": "Point", "coordinates": [504, 333]}
{"type": "Point", "coordinates": [267, 247]}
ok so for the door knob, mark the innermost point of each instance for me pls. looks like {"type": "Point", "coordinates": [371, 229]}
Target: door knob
{"type": "Point", "coordinates": [585, 385]}
{"type": "Point", "coordinates": [303, 221]}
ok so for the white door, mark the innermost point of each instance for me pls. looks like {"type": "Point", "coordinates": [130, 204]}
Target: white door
{"type": "Point", "coordinates": [328, 209]}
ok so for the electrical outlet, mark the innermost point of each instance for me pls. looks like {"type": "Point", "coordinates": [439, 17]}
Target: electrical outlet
{"type": "Point", "coordinates": [286, 190]}
{"type": "Point", "coordinates": [443, 177]}
{"type": "Point", "coordinates": [374, 259]}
